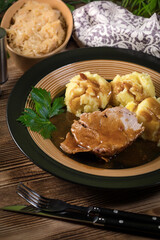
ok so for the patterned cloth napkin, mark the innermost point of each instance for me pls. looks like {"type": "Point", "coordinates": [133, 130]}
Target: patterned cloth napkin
{"type": "Point", "coordinates": [103, 23]}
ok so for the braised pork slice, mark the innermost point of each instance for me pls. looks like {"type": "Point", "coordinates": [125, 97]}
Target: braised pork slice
{"type": "Point", "coordinates": [103, 133]}
{"type": "Point", "coordinates": [70, 145]}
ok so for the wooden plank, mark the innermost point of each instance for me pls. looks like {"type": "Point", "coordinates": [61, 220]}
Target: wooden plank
{"type": "Point", "coordinates": [25, 173]}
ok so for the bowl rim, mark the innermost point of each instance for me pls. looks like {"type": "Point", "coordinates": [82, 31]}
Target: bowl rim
{"type": "Point", "coordinates": [58, 49]}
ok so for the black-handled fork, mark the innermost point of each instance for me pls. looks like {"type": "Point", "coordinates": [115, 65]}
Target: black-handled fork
{"type": "Point", "coordinates": [119, 220]}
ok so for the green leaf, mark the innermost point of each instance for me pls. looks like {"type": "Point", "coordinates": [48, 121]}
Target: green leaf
{"type": "Point", "coordinates": [41, 96]}
{"type": "Point", "coordinates": [57, 106]}
{"type": "Point", "coordinates": [37, 124]}
{"type": "Point", "coordinates": [4, 4]}
{"type": "Point", "coordinates": [42, 110]}
{"type": "Point", "coordinates": [143, 8]}
{"type": "Point", "coordinates": [125, 3]}
{"type": "Point", "coordinates": [71, 7]}
{"type": "Point", "coordinates": [38, 118]}
{"type": "Point", "coordinates": [42, 100]}
{"type": "Point", "coordinates": [8, 56]}
{"type": "Point", "coordinates": [47, 130]}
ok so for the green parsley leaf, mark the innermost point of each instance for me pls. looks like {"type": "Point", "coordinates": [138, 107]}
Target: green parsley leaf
{"type": "Point", "coordinates": [39, 120]}
{"type": "Point", "coordinates": [36, 123]}
{"type": "Point", "coordinates": [42, 100]}
{"type": "Point", "coordinates": [57, 106]}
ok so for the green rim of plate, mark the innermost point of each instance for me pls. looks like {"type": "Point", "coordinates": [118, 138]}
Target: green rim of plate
{"type": "Point", "coordinates": [26, 144]}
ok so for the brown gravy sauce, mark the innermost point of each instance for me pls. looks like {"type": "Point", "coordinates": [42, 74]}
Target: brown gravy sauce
{"type": "Point", "coordinates": [121, 85]}
{"type": "Point", "coordinates": [139, 153]}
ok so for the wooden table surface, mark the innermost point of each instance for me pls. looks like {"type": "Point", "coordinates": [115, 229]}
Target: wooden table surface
{"type": "Point", "coordinates": [15, 167]}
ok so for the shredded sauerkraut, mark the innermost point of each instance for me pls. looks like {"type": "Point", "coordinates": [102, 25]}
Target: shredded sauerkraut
{"type": "Point", "coordinates": [36, 29]}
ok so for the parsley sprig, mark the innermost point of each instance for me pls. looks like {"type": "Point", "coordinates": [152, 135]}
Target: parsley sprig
{"type": "Point", "coordinates": [38, 119]}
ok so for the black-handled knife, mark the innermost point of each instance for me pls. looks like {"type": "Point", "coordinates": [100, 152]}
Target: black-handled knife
{"type": "Point", "coordinates": [115, 224]}
{"type": "Point", "coordinates": [136, 217]}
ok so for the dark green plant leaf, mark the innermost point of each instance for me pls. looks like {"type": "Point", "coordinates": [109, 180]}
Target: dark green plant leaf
{"type": "Point", "coordinates": [42, 110]}
{"type": "Point", "coordinates": [42, 100]}
{"type": "Point", "coordinates": [8, 56]}
{"type": "Point", "coordinates": [36, 123]}
{"type": "Point", "coordinates": [41, 96]}
{"type": "Point", "coordinates": [71, 7]}
{"type": "Point", "coordinates": [38, 120]}
{"type": "Point", "coordinates": [4, 4]}
{"type": "Point", "coordinates": [57, 106]}
{"type": "Point", "coordinates": [125, 3]}
{"type": "Point", "coordinates": [143, 8]}
{"type": "Point", "coordinates": [47, 130]}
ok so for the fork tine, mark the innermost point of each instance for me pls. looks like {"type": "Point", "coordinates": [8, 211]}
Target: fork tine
{"type": "Point", "coordinates": [33, 192]}
{"type": "Point", "coordinates": [28, 200]}
{"type": "Point", "coordinates": [22, 189]}
{"type": "Point", "coordinates": [40, 202]}
{"type": "Point", "coordinates": [31, 198]}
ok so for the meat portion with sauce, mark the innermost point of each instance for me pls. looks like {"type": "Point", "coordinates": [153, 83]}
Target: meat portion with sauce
{"type": "Point", "coordinates": [103, 133]}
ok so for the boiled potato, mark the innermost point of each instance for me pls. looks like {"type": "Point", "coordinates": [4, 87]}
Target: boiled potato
{"type": "Point", "coordinates": [87, 92]}
{"type": "Point", "coordinates": [148, 113]}
{"type": "Point", "coordinates": [132, 106]}
{"type": "Point", "coordinates": [134, 87]}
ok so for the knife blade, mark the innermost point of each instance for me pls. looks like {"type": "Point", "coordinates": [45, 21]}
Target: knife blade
{"type": "Point", "coordinates": [25, 209]}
